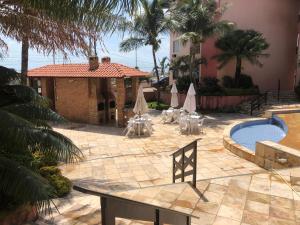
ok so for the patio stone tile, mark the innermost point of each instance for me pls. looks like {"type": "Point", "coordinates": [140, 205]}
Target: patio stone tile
{"type": "Point", "coordinates": [230, 212]}
{"type": "Point", "coordinates": [257, 207]}
{"type": "Point", "coordinates": [204, 219]}
{"type": "Point", "coordinates": [282, 213]}
{"type": "Point", "coordinates": [282, 202]}
{"type": "Point", "coordinates": [278, 221]}
{"type": "Point", "coordinates": [213, 197]}
{"type": "Point", "coordinates": [297, 216]}
{"type": "Point", "coordinates": [234, 201]}
{"type": "Point", "coordinates": [225, 221]}
{"type": "Point", "coordinates": [254, 218]}
{"type": "Point", "coordinates": [217, 188]}
{"type": "Point", "coordinates": [258, 197]}
{"type": "Point", "coordinates": [207, 207]}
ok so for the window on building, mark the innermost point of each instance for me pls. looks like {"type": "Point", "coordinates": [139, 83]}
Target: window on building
{"type": "Point", "coordinates": [176, 46]}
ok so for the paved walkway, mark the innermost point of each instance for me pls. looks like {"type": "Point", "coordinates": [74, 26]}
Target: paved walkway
{"type": "Point", "coordinates": [117, 163]}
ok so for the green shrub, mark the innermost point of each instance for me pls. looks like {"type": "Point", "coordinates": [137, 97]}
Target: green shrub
{"type": "Point", "coordinates": [161, 106]}
{"type": "Point", "coordinates": [61, 184]}
{"type": "Point", "coordinates": [42, 160]}
{"type": "Point", "coordinates": [183, 84]}
{"type": "Point", "coordinates": [49, 170]}
{"type": "Point", "coordinates": [210, 86]}
{"type": "Point", "coordinates": [228, 82]}
{"type": "Point", "coordinates": [297, 90]}
{"type": "Point", "coordinates": [240, 91]}
{"type": "Point", "coordinates": [245, 82]}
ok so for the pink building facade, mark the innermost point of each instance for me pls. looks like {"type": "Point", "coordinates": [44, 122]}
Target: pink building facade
{"type": "Point", "coordinates": [278, 20]}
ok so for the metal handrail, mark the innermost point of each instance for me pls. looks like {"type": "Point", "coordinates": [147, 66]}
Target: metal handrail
{"type": "Point", "coordinates": [257, 102]}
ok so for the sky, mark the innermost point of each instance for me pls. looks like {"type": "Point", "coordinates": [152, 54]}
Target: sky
{"type": "Point", "coordinates": [144, 55]}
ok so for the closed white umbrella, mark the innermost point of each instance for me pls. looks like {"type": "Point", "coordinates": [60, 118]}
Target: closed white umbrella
{"type": "Point", "coordinates": [140, 106]}
{"type": "Point", "coordinates": [174, 97]}
{"type": "Point", "coordinates": [190, 100]}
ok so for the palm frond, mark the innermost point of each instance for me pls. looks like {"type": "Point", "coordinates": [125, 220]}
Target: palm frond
{"type": "Point", "coordinates": [24, 185]}
{"type": "Point", "coordinates": [10, 94]}
{"type": "Point", "coordinates": [131, 43]}
{"type": "Point", "coordinates": [190, 36]}
{"type": "Point", "coordinates": [34, 113]}
{"type": "Point", "coordinates": [245, 44]}
{"type": "Point", "coordinates": [64, 25]}
{"type": "Point", "coordinates": [8, 75]}
{"type": "Point", "coordinates": [23, 134]}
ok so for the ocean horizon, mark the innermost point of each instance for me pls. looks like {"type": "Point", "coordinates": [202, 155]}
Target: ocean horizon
{"type": "Point", "coordinates": [37, 59]}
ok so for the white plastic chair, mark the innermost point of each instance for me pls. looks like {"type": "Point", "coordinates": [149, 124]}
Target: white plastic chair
{"type": "Point", "coordinates": [200, 125]}
{"type": "Point", "coordinates": [183, 124]}
{"type": "Point", "coordinates": [176, 116]}
{"type": "Point", "coordinates": [194, 125]}
{"type": "Point", "coordinates": [130, 127]}
{"type": "Point", "coordinates": [164, 116]}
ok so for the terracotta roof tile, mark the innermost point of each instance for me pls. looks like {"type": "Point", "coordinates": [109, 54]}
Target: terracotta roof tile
{"type": "Point", "coordinates": [82, 70]}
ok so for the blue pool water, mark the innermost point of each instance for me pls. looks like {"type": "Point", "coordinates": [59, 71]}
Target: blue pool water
{"type": "Point", "coordinates": [248, 133]}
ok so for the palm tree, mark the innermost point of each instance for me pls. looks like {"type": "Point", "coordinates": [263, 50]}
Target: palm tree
{"type": "Point", "coordinates": [63, 26]}
{"type": "Point", "coordinates": [163, 65]}
{"type": "Point", "coordinates": [241, 45]}
{"type": "Point", "coordinates": [146, 29]}
{"type": "Point", "coordinates": [197, 21]}
{"type": "Point", "coordinates": [24, 130]}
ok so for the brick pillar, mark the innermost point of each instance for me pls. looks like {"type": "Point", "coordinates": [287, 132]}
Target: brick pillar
{"type": "Point", "coordinates": [44, 87]}
{"type": "Point", "coordinates": [135, 87]}
{"type": "Point", "coordinates": [120, 100]}
{"type": "Point", "coordinates": [93, 111]}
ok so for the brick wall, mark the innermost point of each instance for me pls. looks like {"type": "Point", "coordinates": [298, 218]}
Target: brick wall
{"type": "Point", "coordinates": [120, 100]}
{"type": "Point", "coordinates": [47, 85]}
{"type": "Point", "coordinates": [72, 99]}
{"type": "Point", "coordinates": [92, 100]}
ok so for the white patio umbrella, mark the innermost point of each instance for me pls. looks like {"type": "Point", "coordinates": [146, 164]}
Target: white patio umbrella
{"type": "Point", "coordinates": [140, 106]}
{"type": "Point", "coordinates": [174, 97]}
{"type": "Point", "coordinates": [190, 100]}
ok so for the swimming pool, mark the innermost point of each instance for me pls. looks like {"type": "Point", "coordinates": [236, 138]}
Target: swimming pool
{"type": "Point", "coordinates": [248, 133]}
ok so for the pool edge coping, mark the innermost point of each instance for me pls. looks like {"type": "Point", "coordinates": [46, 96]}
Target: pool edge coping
{"type": "Point", "coordinates": [233, 146]}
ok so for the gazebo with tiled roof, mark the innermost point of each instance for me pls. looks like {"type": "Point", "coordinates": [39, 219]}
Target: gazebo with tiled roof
{"type": "Point", "coordinates": [91, 93]}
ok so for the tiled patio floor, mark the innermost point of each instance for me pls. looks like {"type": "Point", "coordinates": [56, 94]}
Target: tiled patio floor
{"type": "Point", "coordinates": [116, 163]}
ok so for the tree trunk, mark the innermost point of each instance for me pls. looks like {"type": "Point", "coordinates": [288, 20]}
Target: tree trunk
{"type": "Point", "coordinates": [157, 76]}
{"type": "Point", "coordinates": [24, 63]}
{"type": "Point", "coordinates": [191, 64]}
{"type": "Point", "coordinates": [191, 68]}
{"type": "Point", "coordinates": [238, 71]}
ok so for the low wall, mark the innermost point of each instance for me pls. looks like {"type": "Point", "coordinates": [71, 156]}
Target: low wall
{"type": "Point", "coordinates": [270, 155]}
{"type": "Point", "coordinates": [206, 102]}
{"type": "Point", "coordinates": [217, 102]}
